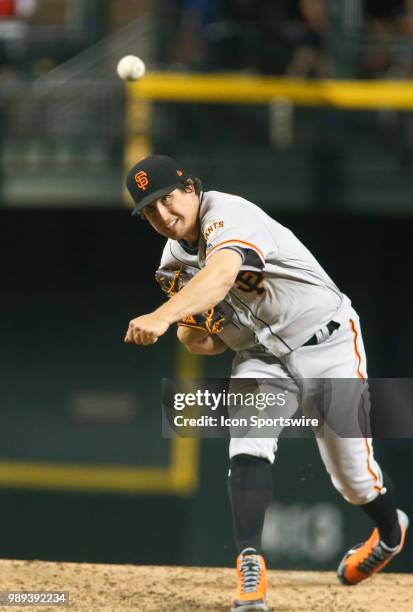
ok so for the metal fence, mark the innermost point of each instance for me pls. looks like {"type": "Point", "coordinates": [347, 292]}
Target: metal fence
{"type": "Point", "coordinates": [61, 135]}
{"type": "Point", "coordinates": [56, 138]}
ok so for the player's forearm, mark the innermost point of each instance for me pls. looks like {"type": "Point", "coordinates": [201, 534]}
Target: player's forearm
{"type": "Point", "coordinates": [202, 292]}
{"type": "Point", "coordinates": [211, 345]}
{"type": "Point", "coordinates": [200, 343]}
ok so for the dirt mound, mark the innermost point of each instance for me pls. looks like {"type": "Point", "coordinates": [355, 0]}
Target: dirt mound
{"type": "Point", "coordinates": [183, 589]}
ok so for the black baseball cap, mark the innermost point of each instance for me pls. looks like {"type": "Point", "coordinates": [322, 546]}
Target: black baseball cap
{"type": "Point", "coordinates": [153, 177]}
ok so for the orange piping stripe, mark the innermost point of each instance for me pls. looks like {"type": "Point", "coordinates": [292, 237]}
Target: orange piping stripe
{"type": "Point", "coordinates": [369, 468]}
{"type": "Point", "coordinates": [355, 332]}
{"type": "Point", "coordinates": [240, 242]}
{"type": "Point", "coordinates": [361, 375]}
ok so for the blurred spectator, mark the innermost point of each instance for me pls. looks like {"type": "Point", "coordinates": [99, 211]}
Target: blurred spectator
{"type": "Point", "coordinates": [265, 37]}
{"type": "Point", "coordinates": [232, 35]}
{"type": "Point", "coordinates": [387, 51]}
{"type": "Point", "coordinates": [292, 37]}
{"type": "Point", "coordinates": [377, 56]}
{"type": "Point", "coordinates": [406, 19]}
{"type": "Point", "coordinates": [248, 35]}
{"type": "Point", "coordinates": [308, 35]}
{"type": "Point", "coordinates": [312, 23]}
{"type": "Point", "coordinates": [189, 49]}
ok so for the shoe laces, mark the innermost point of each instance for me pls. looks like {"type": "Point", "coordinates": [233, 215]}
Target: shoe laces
{"type": "Point", "coordinates": [251, 572]}
{"type": "Point", "coordinates": [377, 556]}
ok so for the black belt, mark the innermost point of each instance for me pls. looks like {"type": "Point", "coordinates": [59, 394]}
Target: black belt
{"type": "Point", "coordinates": [330, 327]}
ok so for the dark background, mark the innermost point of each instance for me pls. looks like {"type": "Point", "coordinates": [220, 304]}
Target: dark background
{"type": "Point", "coordinates": [71, 280]}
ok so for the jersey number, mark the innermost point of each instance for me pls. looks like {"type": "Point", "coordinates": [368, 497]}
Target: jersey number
{"type": "Point", "coordinates": [250, 281]}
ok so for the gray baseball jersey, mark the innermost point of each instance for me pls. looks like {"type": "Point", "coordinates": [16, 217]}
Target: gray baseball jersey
{"type": "Point", "coordinates": [282, 295]}
{"type": "Point", "coordinates": [281, 298]}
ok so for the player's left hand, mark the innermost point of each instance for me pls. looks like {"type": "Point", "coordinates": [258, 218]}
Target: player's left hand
{"type": "Point", "coordinates": [146, 329]}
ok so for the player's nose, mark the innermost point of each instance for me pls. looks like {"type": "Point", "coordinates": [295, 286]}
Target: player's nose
{"type": "Point", "coordinates": [163, 213]}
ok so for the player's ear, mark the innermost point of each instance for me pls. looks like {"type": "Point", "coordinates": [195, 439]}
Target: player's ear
{"type": "Point", "coordinates": [189, 186]}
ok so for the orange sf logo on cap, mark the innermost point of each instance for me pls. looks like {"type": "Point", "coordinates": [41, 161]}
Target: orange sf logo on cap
{"type": "Point", "coordinates": [141, 179]}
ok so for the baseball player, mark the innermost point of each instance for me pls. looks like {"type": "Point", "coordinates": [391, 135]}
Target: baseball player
{"type": "Point", "coordinates": [288, 321]}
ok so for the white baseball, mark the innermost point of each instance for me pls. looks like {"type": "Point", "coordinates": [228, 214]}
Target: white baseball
{"type": "Point", "coordinates": [131, 68]}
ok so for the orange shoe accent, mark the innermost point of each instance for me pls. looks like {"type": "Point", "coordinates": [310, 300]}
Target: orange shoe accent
{"type": "Point", "coordinates": [368, 558]}
{"type": "Point", "coordinates": [251, 582]}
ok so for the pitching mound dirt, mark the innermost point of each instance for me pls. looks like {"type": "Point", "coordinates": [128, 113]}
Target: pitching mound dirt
{"type": "Point", "coordinates": [178, 589]}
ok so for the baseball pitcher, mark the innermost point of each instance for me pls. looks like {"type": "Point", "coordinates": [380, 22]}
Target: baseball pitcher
{"type": "Point", "coordinates": [237, 279]}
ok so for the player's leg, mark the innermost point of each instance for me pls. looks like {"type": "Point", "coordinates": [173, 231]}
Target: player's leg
{"type": "Point", "coordinates": [250, 491]}
{"type": "Point", "coordinates": [350, 461]}
{"type": "Point", "coordinates": [358, 477]}
{"type": "Point", "coordinates": [250, 474]}
{"type": "Point", "coordinates": [250, 488]}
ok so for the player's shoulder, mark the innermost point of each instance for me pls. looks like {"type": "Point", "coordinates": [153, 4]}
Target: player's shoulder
{"type": "Point", "coordinates": [175, 256]}
{"type": "Point", "coordinates": [228, 206]}
{"type": "Point", "coordinates": [218, 198]}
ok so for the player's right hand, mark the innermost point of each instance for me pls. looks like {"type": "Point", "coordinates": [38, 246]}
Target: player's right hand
{"type": "Point", "coordinates": [146, 329]}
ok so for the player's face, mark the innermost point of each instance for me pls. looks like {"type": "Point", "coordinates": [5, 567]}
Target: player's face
{"type": "Point", "coordinates": [175, 215]}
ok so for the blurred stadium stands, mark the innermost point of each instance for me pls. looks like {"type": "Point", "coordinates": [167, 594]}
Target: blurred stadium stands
{"type": "Point", "coordinates": [63, 114]}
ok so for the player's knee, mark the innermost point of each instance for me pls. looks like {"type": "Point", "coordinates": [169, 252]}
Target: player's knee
{"type": "Point", "coordinates": [357, 492]}
{"type": "Point", "coordinates": [262, 448]}
{"type": "Point", "coordinates": [246, 460]}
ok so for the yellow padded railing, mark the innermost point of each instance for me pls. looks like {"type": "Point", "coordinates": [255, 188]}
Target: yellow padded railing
{"type": "Point", "coordinates": [248, 89]}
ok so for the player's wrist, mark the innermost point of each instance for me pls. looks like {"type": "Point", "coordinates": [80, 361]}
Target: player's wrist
{"type": "Point", "coordinates": [167, 316]}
